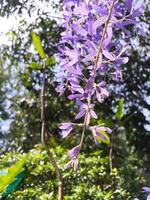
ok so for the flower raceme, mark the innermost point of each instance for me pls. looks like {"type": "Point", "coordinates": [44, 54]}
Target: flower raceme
{"type": "Point", "coordinates": [89, 51]}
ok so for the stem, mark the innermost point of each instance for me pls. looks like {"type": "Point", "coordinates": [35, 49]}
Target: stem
{"type": "Point", "coordinates": [111, 145]}
{"type": "Point", "coordinates": [104, 33]}
{"type": "Point", "coordinates": [44, 138]}
{"type": "Point", "coordinates": [83, 130]}
{"type": "Point", "coordinates": [110, 153]}
{"type": "Point", "coordinates": [84, 124]}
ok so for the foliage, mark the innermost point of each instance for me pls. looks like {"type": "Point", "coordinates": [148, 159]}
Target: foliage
{"type": "Point", "coordinates": [120, 113]}
{"type": "Point", "coordinates": [92, 181]}
{"type": "Point", "coordinates": [37, 44]}
{"type": "Point", "coordinates": [12, 172]}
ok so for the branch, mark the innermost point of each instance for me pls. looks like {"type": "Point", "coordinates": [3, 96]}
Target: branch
{"type": "Point", "coordinates": [44, 138]}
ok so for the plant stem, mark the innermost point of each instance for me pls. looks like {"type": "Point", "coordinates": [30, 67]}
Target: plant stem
{"type": "Point", "coordinates": [110, 153]}
{"type": "Point", "coordinates": [104, 33]}
{"type": "Point", "coordinates": [44, 138]}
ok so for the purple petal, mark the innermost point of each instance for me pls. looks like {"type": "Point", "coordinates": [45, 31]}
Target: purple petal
{"type": "Point", "coordinates": [80, 10]}
{"type": "Point", "coordinates": [97, 24]}
{"type": "Point", "coordinates": [94, 115]}
{"type": "Point", "coordinates": [146, 189]}
{"type": "Point", "coordinates": [109, 32]}
{"type": "Point", "coordinates": [88, 119]}
{"type": "Point", "coordinates": [79, 30]}
{"type": "Point", "coordinates": [148, 197]}
{"type": "Point", "coordinates": [123, 50]}
{"type": "Point", "coordinates": [122, 60]}
{"type": "Point", "coordinates": [128, 4]}
{"type": "Point", "coordinates": [138, 12]}
{"type": "Point", "coordinates": [108, 55]}
{"type": "Point", "coordinates": [74, 152]}
{"type": "Point", "coordinates": [67, 132]}
{"type": "Point", "coordinates": [79, 70]}
{"type": "Point", "coordinates": [74, 96]}
{"type": "Point", "coordinates": [104, 92]}
{"type": "Point", "coordinates": [98, 96]}
{"type": "Point", "coordinates": [65, 125]}
{"type": "Point", "coordinates": [80, 114]}
{"type": "Point", "coordinates": [94, 135]}
{"type": "Point", "coordinates": [78, 88]}
{"type": "Point", "coordinates": [73, 81]}
{"type": "Point", "coordinates": [76, 165]}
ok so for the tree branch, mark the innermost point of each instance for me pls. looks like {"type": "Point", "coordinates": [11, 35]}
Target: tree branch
{"type": "Point", "coordinates": [44, 138]}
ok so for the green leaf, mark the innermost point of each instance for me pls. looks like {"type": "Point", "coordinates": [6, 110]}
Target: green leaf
{"type": "Point", "coordinates": [35, 66]}
{"type": "Point", "coordinates": [38, 45]}
{"type": "Point", "coordinates": [12, 186]}
{"type": "Point", "coordinates": [50, 61]}
{"type": "Point", "coordinates": [120, 111]}
{"type": "Point", "coordinates": [13, 171]}
{"type": "Point", "coordinates": [104, 135]}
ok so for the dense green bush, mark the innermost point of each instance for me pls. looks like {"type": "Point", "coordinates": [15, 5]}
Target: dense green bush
{"type": "Point", "coordinates": [92, 181]}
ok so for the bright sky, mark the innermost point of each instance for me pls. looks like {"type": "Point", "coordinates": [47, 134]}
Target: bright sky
{"type": "Point", "coordinates": [7, 24]}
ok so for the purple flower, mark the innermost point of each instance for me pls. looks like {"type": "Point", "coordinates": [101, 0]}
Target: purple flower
{"type": "Point", "coordinates": [73, 153]}
{"type": "Point", "coordinates": [147, 189]}
{"type": "Point", "coordinates": [72, 163]}
{"type": "Point", "coordinates": [88, 51]}
{"type": "Point", "coordinates": [66, 128]}
{"type": "Point", "coordinates": [117, 75]}
{"type": "Point", "coordinates": [99, 134]}
{"type": "Point", "coordinates": [88, 111]}
{"type": "Point", "coordinates": [101, 91]}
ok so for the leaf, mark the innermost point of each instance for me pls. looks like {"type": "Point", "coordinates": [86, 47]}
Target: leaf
{"type": "Point", "coordinates": [50, 61]}
{"type": "Point", "coordinates": [38, 45]}
{"type": "Point", "coordinates": [12, 186]}
{"type": "Point", "coordinates": [13, 171]}
{"type": "Point", "coordinates": [120, 111]}
{"type": "Point", "coordinates": [104, 138]}
{"type": "Point", "coordinates": [35, 66]}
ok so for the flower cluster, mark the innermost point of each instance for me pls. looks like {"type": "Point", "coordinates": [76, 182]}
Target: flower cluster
{"type": "Point", "coordinates": [89, 52]}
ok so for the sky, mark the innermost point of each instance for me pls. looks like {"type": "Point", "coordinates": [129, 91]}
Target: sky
{"type": "Point", "coordinates": [6, 24]}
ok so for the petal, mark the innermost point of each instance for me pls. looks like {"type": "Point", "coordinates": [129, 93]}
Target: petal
{"type": "Point", "coordinates": [94, 115]}
{"type": "Point", "coordinates": [65, 125]}
{"type": "Point", "coordinates": [80, 114]}
{"type": "Point", "coordinates": [97, 24]}
{"type": "Point", "coordinates": [76, 165]}
{"type": "Point", "coordinates": [108, 55]}
{"type": "Point", "coordinates": [138, 12]}
{"type": "Point", "coordinates": [146, 189]}
{"type": "Point", "coordinates": [98, 96]}
{"type": "Point", "coordinates": [122, 60]}
{"type": "Point", "coordinates": [78, 88]}
{"type": "Point", "coordinates": [128, 4]}
{"type": "Point", "coordinates": [67, 132]}
{"type": "Point", "coordinates": [74, 96]}
{"type": "Point", "coordinates": [88, 119]}
{"type": "Point", "coordinates": [94, 135]}
{"type": "Point", "coordinates": [74, 152]}
{"type": "Point", "coordinates": [79, 30]}
{"type": "Point", "coordinates": [148, 197]}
